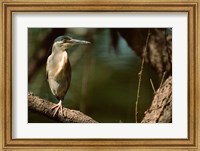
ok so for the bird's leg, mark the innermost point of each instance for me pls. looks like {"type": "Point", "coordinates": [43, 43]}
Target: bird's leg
{"type": "Point", "coordinates": [57, 107]}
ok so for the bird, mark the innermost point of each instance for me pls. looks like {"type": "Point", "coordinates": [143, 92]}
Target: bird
{"type": "Point", "coordinates": [58, 68]}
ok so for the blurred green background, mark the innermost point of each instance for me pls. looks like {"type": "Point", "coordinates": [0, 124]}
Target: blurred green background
{"type": "Point", "coordinates": [104, 80]}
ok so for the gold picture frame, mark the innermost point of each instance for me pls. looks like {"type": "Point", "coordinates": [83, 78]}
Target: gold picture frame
{"type": "Point", "coordinates": [9, 7]}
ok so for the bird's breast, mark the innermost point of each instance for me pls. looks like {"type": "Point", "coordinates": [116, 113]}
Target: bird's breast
{"type": "Point", "coordinates": [59, 66]}
{"type": "Point", "coordinates": [62, 64]}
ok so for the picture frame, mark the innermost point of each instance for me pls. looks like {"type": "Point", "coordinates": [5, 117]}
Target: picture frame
{"type": "Point", "coordinates": [10, 7]}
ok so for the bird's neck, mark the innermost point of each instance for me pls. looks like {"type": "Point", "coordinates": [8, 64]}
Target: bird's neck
{"type": "Point", "coordinates": [57, 49]}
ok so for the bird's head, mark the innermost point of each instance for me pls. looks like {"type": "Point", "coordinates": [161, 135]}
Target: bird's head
{"type": "Point", "coordinates": [65, 42]}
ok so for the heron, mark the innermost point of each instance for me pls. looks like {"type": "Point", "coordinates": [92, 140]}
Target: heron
{"type": "Point", "coordinates": [58, 68]}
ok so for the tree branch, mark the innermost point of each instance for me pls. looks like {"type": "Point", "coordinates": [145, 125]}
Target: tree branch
{"type": "Point", "coordinates": [161, 107]}
{"type": "Point", "coordinates": [44, 107]}
{"type": "Point", "coordinates": [140, 77]}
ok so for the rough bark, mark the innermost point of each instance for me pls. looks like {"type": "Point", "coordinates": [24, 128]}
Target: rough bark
{"type": "Point", "coordinates": [44, 107]}
{"type": "Point", "coordinates": [161, 107]}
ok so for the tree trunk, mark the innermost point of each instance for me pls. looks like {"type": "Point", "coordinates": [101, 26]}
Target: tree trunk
{"type": "Point", "coordinates": [161, 107]}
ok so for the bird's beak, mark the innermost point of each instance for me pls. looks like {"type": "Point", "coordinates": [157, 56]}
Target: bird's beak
{"type": "Point", "coordinates": [75, 41]}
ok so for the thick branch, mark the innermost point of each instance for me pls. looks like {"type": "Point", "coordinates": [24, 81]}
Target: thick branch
{"type": "Point", "coordinates": [44, 107]}
{"type": "Point", "coordinates": [161, 107]}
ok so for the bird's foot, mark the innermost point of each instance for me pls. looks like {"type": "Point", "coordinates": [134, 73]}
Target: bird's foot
{"type": "Point", "coordinates": [57, 107]}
